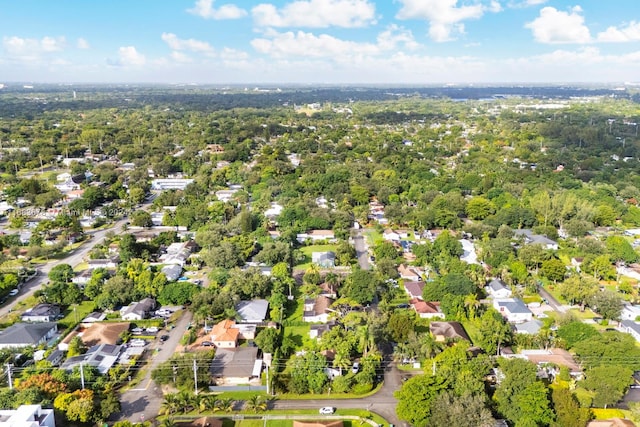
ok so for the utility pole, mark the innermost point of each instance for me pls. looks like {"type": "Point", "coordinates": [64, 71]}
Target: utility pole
{"type": "Point", "coordinates": [175, 371]}
{"type": "Point", "coordinates": [9, 367]}
{"type": "Point", "coordinates": [81, 376]}
{"type": "Point", "coordinates": [268, 380]}
{"type": "Point", "coordinates": [195, 375]}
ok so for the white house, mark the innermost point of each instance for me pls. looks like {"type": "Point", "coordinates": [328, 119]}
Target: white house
{"type": "Point", "coordinates": [254, 311]}
{"type": "Point", "coordinates": [536, 239]}
{"type": "Point", "coordinates": [390, 235]}
{"type": "Point", "coordinates": [409, 273]}
{"type": "Point", "coordinates": [324, 259]}
{"type": "Point", "coordinates": [170, 184]}
{"type": "Point", "coordinates": [513, 309]}
{"type": "Point", "coordinates": [630, 312]}
{"type": "Point", "coordinates": [317, 310]}
{"type": "Point", "coordinates": [498, 289]}
{"type": "Point", "coordinates": [138, 310]}
{"type": "Point", "coordinates": [631, 327]}
{"type": "Point", "coordinates": [27, 416]}
{"type": "Point", "coordinates": [316, 236]}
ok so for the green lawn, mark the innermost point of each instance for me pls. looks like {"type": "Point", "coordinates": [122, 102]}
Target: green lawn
{"type": "Point", "coordinates": [298, 334]}
{"type": "Point", "coordinates": [308, 250]}
{"type": "Point", "coordinates": [75, 313]}
{"type": "Point", "coordinates": [373, 236]}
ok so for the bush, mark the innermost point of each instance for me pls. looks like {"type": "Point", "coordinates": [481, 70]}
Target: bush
{"type": "Point", "coordinates": [362, 388]}
{"type": "Point", "coordinates": [341, 384]}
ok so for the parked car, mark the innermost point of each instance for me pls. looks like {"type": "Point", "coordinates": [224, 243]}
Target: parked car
{"type": "Point", "coordinates": [137, 331]}
{"type": "Point", "coordinates": [153, 330]}
{"type": "Point", "coordinates": [206, 344]}
{"type": "Point", "coordinates": [137, 343]}
{"type": "Point", "coordinates": [163, 338]}
{"type": "Point", "coordinates": [327, 410]}
{"type": "Point", "coordinates": [14, 292]}
{"type": "Point", "coordinates": [356, 367]}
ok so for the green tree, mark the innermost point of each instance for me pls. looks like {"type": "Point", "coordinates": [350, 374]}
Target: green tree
{"type": "Point", "coordinates": [361, 286]}
{"type": "Point", "coordinates": [141, 218]}
{"type": "Point", "coordinates": [574, 332]}
{"type": "Point", "coordinates": [553, 269]}
{"type": "Point", "coordinates": [620, 249]}
{"type": "Point", "coordinates": [479, 208]}
{"type": "Point", "coordinates": [578, 289]}
{"type": "Point", "coordinates": [461, 411]}
{"type": "Point", "coordinates": [567, 409]}
{"type": "Point", "coordinates": [62, 273]}
{"type": "Point", "coordinates": [416, 397]}
{"type": "Point", "coordinates": [609, 383]}
{"type": "Point", "coordinates": [607, 303]}
{"type": "Point", "coordinates": [268, 340]}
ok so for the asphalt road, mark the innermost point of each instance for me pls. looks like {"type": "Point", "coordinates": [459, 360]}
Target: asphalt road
{"type": "Point", "coordinates": [551, 300]}
{"type": "Point", "coordinates": [383, 402]}
{"type": "Point", "coordinates": [144, 401]}
{"type": "Point", "coordinates": [76, 257]}
{"type": "Point", "coordinates": [361, 249]}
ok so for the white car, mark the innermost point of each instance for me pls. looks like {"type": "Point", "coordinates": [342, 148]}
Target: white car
{"type": "Point", "coordinates": [327, 410]}
{"type": "Point", "coordinates": [137, 343]}
{"type": "Point", "coordinates": [14, 292]}
{"type": "Point", "coordinates": [153, 330]}
{"type": "Point", "coordinates": [356, 367]}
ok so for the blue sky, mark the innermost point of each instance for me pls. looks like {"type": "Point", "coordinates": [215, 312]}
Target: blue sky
{"type": "Point", "coordinates": [320, 41]}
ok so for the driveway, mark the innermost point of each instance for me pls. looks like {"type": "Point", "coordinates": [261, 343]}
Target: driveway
{"type": "Point", "coordinates": [144, 401]}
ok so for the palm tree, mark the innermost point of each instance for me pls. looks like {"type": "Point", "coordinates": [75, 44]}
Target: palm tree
{"type": "Point", "coordinates": [170, 404]}
{"type": "Point", "coordinates": [256, 404]}
{"type": "Point", "coordinates": [186, 401]}
{"type": "Point", "coordinates": [472, 304]}
{"type": "Point", "coordinates": [168, 422]}
{"type": "Point", "coordinates": [208, 403]}
{"type": "Point", "coordinates": [224, 405]}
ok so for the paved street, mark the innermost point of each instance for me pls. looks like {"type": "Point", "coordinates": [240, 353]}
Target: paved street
{"type": "Point", "coordinates": [361, 249]}
{"type": "Point", "coordinates": [146, 398]}
{"type": "Point", "coordinates": [382, 402]}
{"type": "Point", "coordinates": [552, 301]}
{"type": "Point", "coordinates": [75, 258]}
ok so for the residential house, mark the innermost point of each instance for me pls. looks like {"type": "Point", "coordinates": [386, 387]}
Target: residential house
{"type": "Point", "coordinates": [254, 311]}
{"type": "Point", "coordinates": [101, 333]}
{"type": "Point", "coordinates": [324, 259]}
{"type": "Point", "coordinates": [138, 310]}
{"type": "Point", "coordinates": [390, 235]}
{"type": "Point", "coordinates": [630, 312]}
{"type": "Point", "coordinates": [82, 278]}
{"type": "Point", "coordinates": [102, 357]}
{"type": "Point", "coordinates": [531, 327]}
{"type": "Point", "coordinates": [316, 236]}
{"type": "Point", "coordinates": [414, 289]}
{"type": "Point", "coordinates": [498, 289]}
{"type": "Point", "coordinates": [67, 186]}
{"type": "Point", "coordinates": [427, 310]}
{"type": "Point", "coordinates": [317, 309]}
{"type": "Point", "coordinates": [553, 356]}
{"type": "Point", "coordinates": [170, 184]}
{"type": "Point", "coordinates": [631, 327]}
{"type": "Point", "coordinates": [536, 239]}
{"type": "Point", "coordinates": [224, 334]}
{"type": "Point", "coordinates": [176, 253]}
{"type": "Point", "coordinates": [513, 309]}
{"type": "Point", "coordinates": [236, 366]}
{"type": "Point", "coordinates": [328, 290]}
{"type": "Point", "coordinates": [92, 318]}
{"type": "Point", "coordinates": [316, 330]}
{"type": "Point", "coordinates": [107, 263]}
{"type": "Point", "coordinates": [56, 357]}
{"type": "Point", "coordinates": [27, 334]}
{"type": "Point", "coordinates": [27, 416]}
{"type": "Point", "coordinates": [42, 313]}
{"type": "Point", "coordinates": [226, 195]}
{"type": "Point", "coordinates": [172, 272]}
{"type": "Point", "coordinates": [409, 273]}
{"type": "Point", "coordinates": [444, 331]}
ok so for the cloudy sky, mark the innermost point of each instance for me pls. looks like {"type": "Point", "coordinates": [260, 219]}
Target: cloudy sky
{"type": "Point", "coordinates": [320, 41]}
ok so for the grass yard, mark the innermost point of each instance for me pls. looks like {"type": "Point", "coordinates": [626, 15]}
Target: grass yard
{"type": "Point", "coordinates": [298, 334]}
{"type": "Point", "coordinates": [75, 313]}
{"type": "Point", "coordinates": [373, 236]}
{"type": "Point", "coordinates": [308, 250]}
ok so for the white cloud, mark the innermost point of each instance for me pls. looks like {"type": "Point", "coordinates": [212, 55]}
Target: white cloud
{"type": "Point", "coordinates": [316, 14]}
{"type": "Point", "coordinates": [628, 33]}
{"type": "Point", "coordinates": [394, 36]}
{"type": "Point", "coordinates": [307, 45]}
{"type": "Point", "coordinates": [444, 16]}
{"type": "Point", "coordinates": [82, 43]}
{"type": "Point", "coordinates": [205, 9]}
{"type": "Point", "coordinates": [180, 57]}
{"type": "Point", "coordinates": [129, 56]}
{"type": "Point", "coordinates": [233, 54]}
{"type": "Point", "coordinates": [495, 6]}
{"type": "Point", "coordinates": [186, 44]}
{"type": "Point", "coordinates": [554, 26]}
{"type": "Point", "coordinates": [21, 47]}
